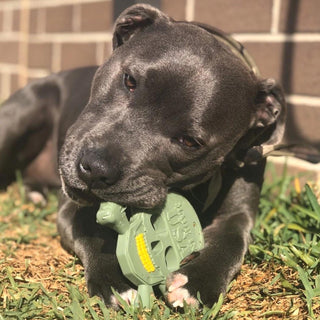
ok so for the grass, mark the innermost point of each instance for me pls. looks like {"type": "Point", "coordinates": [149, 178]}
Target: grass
{"type": "Point", "coordinates": [280, 278]}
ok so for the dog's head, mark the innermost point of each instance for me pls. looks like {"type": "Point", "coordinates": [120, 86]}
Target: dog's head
{"type": "Point", "coordinates": [166, 110]}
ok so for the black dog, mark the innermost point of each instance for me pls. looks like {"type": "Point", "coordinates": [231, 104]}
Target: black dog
{"type": "Point", "coordinates": [173, 107]}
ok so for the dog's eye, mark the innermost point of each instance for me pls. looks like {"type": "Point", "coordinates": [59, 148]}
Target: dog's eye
{"type": "Point", "coordinates": [189, 142]}
{"type": "Point", "coordinates": [129, 82]}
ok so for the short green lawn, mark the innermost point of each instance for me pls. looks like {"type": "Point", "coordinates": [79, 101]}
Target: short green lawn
{"type": "Point", "coordinates": [279, 280]}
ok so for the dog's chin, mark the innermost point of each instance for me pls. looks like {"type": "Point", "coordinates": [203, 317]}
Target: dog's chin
{"type": "Point", "coordinates": [79, 196]}
{"type": "Point", "coordinates": [87, 198]}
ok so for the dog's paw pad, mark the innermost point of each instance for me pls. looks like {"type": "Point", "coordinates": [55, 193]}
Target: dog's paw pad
{"type": "Point", "coordinates": [177, 294]}
{"type": "Point", "coordinates": [37, 198]}
{"type": "Point", "coordinates": [176, 281]}
{"type": "Point", "coordinates": [128, 296]}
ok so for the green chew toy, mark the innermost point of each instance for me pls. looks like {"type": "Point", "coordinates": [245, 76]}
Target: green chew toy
{"type": "Point", "coordinates": [153, 243]}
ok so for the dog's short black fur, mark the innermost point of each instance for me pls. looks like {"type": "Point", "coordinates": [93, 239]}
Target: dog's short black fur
{"type": "Point", "coordinates": [172, 107]}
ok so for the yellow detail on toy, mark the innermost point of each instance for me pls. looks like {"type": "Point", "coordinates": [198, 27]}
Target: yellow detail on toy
{"type": "Point", "coordinates": [143, 253]}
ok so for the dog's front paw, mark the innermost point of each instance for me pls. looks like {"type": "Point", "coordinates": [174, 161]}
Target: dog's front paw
{"type": "Point", "coordinates": [103, 274]}
{"type": "Point", "coordinates": [203, 279]}
{"type": "Point", "coordinates": [129, 296]}
{"type": "Point", "coordinates": [177, 292]}
{"type": "Point", "coordinates": [37, 198]}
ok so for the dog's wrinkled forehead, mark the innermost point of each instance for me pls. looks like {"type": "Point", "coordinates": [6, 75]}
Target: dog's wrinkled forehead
{"type": "Point", "coordinates": [176, 37]}
{"type": "Point", "coordinates": [163, 53]}
{"type": "Point", "coordinates": [181, 71]}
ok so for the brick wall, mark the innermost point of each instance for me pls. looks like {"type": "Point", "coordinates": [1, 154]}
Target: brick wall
{"type": "Point", "coordinates": [42, 36]}
{"type": "Point", "coordinates": [38, 37]}
{"type": "Point", "coordinates": [283, 36]}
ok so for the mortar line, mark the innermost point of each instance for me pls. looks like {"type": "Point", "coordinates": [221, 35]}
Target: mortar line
{"type": "Point", "coordinates": [276, 8]}
{"type": "Point", "coordinates": [60, 37]}
{"type": "Point", "coordinates": [56, 57]}
{"type": "Point", "coordinates": [189, 10]}
{"type": "Point", "coordinates": [24, 42]}
{"type": "Point", "coordinates": [5, 85]}
{"type": "Point", "coordinates": [14, 68]}
{"type": "Point", "coordinates": [76, 19]}
{"type": "Point", "coordinates": [291, 161]}
{"type": "Point", "coordinates": [46, 3]}
{"type": "Point", "coordinates": [279, 37]}
{"type": "Point", "coordinates": [303, 100]}
{"type": "Point", "coordinates": [41, 22]}
{"type": "Point", "coordinates": [107, 37]}
{"type": "Point", "coordinates": [100, 53]}
{"type": "Point", "coordinates": [7, 23]}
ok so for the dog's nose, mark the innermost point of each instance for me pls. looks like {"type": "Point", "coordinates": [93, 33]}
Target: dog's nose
{"type": "Point", "coordinates": [97, 169]}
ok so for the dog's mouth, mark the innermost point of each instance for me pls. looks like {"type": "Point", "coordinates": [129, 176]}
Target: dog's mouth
{"type": "Point", "coordinates": [79, 196]}
{"type": "Point", "coordinates": [148, 197]}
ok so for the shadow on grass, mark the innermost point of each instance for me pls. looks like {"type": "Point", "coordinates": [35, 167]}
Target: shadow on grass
{"type": "Point", "coordinates": [279, 280]}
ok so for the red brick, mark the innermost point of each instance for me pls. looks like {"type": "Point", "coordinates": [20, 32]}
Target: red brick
{"type": "Point", "coordinates": [235, 15]}
{"type": "Point", "coordinates": [31, 79]}
{"type": "Point", "coordinates": [59, 19]}
{"type": "Point", "coordinates": [96, 16]}
{"type": "Point", "coordinates": [16, 20]}
{"type": "Point", "coordinates": [267, 56]}
{"type": "Point", "coordinates": [33, 22]}
{"type": "Point", "coordinates": [297, 65]}
{"type": "Point", "coordinates": [1, 21]}
{"type": "Point", "coordinates": [306, 68]}
{"type": "Point", "coordinates": [77, 55]}
{"type": "Point", "coordinates": [175, 9]}
{"type": "Point", "coordinates": [103, 51]}
{"type": "Point", "coordinates": [303, 125]}
{"type": "Point", "coordinates": [14, 83]}
{"type": "Point", "coordinates": [40, 55]}
{"type": "Point", "coordinates": [107, 50]}
{"type": "Point", "coordinates": [301, 16]}
{"type": "Point", "coordinates": [9, 52]}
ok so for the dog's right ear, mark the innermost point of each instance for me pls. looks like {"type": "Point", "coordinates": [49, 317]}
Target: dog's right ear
{"type": "Point", "coordinates": [269, 121]}
{"type": "Point", "coordinates": [133, 20]}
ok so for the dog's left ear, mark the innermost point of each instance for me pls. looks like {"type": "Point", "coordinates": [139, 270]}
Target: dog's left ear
{"type": "Point", "coordinates": [134, 19]}
{"type": "Point", "coordinates": [268, 123]}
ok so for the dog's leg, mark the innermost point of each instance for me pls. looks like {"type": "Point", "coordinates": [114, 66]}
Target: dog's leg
{"type": "Point", "coordinates": [26, 122]}
{"type": "Point", "coordinates": [226, 241]}
{"type": "Point", "coordinates": [95, 246]}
